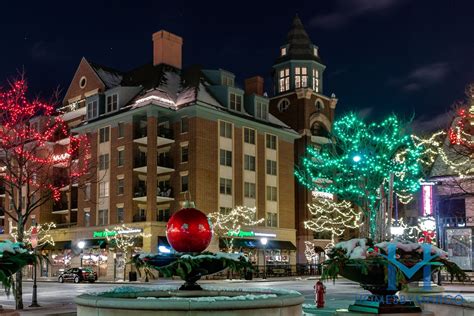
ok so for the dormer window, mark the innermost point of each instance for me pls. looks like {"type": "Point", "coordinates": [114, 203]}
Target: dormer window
{"type": "Point", "coordinates": [236, 102]}
{"type": "Point", "coordinates": [315, 80]}
{"type": "Point", "coordinates": [315, 51]}
{"type": "Point", "coordinates": [284, 80]}
{"type": "Point", "coordinates": [301, 77]}
{"type": "Point", "coordinates": [261, 110]}
{"type": "Point", "coordinates": [92, 109]}
{"type": "Point", "coordinates": [112, 103]}
{"type": "Point", "coordinates": [283, 51]}
{"type": "Point", "coordinates": [227, 81]}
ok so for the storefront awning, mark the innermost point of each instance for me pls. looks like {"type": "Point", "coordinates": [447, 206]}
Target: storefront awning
{"type": "Point", "coordinates": [256, 244]}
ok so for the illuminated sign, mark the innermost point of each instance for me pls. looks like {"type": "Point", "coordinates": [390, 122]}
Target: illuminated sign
{"type": "Point", "coordinates": [249, 234]}
{"type": "Point", "coordinates": [427, 192]}
{"type": "Point", "coordinates": [105, 234]}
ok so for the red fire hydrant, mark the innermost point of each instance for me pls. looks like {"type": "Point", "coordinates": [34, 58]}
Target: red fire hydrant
{"type": "Point", "coordinates": [319, 291]}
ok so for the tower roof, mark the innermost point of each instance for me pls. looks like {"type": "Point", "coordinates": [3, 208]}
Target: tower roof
{"type": "Point", "coordinates": [300, 46]}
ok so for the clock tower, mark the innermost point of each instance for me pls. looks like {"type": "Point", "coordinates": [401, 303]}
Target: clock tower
{"type": "Point", "coordinates": [299, 101]}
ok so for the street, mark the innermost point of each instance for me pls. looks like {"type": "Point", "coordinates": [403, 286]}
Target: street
{"type": "Point", "coordinates": [56, 298]}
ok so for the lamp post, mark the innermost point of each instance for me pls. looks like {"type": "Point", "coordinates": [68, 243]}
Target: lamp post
{"type": "Point", "coordinates": [81, 246]}
{"type": "Point", "coordinates": [34, 244]}
{"type": "Point", "coordinates": [264, 242]}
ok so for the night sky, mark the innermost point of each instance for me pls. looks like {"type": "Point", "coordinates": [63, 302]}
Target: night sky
{"type": "Point", "coordinates": [382, 56]}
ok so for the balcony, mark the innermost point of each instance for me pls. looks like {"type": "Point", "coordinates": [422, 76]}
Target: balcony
{"type": "Point", "coordinates": [61, 207]}
{"type": "Point", "coordinates": [139, 218]}
{"type": "Point", "coordinates": [162, 194]}
{"type": "Point", "coordinates": [164, 165]}
{"type": "Point", "coordinates": [165, 136]}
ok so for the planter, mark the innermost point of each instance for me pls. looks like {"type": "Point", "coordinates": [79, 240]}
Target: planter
{"type": "Point", "coordinates": [374, 281]}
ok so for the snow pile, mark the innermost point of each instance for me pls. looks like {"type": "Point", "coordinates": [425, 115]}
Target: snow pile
{"type": "Point", "coordinates": [247, 297]}
{"type": "Point", "coordinates": [218, 255]}
{"type": "Point", "coordinates": [11, 247]}
{"type": "Point", "coordinates": [357, 248]}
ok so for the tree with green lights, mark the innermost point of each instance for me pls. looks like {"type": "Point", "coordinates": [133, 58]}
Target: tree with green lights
{"type": "Point", "coordinates": [358, 163]}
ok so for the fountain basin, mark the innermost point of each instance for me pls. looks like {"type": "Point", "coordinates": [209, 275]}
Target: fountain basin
{"type": "Point", "coordinates": [166, 300]}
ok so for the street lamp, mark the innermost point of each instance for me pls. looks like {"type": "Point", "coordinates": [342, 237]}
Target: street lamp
{"type": "Point", "coordinates": [356, 158]}
{"type": "Point", "coordinates": [81, 246]}
{"type": "Point", "coordinates": [264, 242]}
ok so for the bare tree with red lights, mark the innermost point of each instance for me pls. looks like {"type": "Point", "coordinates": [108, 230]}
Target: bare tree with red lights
{"type": "Point", "coordinates": [29, 131]}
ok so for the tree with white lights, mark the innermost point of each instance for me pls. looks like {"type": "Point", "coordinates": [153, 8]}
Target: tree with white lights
{"type": "Point", "coordinates": [43, 234]}
{"type": "Point", "coordinates": [228, 225]}
{"type": "Point", "coordinates": [333, 217]}
{"type": "Point", "coordinates": [124, 239]}
{"type": "Point", "coordinates": [29, 131]}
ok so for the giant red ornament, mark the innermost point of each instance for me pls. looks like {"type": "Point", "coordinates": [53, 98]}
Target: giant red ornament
{"type": "Point", "coordinates": [188, 230]}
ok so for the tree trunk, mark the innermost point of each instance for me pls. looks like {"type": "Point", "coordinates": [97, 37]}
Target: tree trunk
{"type": "Point", "coordinates": [19, 274]}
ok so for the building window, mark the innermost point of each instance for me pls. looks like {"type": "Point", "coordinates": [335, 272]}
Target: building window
{"type": "Point", "coordinates": [163, 215]}
{"type": "Point", "coordinates": [103, 217]}
{"type": "Point", "coordinates": [315, 51]}
{"type": "Point", "coordinates": [112, 103]}
{"type": "Point", "coordinates": [103, 189]}
{"type": "Point", "coordinates": [225, 210]}
{"type": "Point", "coordinates": [235, 102]}
{"type": "Point", "coordinates": [271, 141]}
{"type": "Point", "coordinates": [120, 215]}
{"type": "Point", "coordinates": [301, 77]}
{"type": "Point", "coordinates": [92, 109]}
{"type": "Point", "coordinates": [249, 162]}
{"type": "Point", "coordinates": [87, 192]}
{"type": "Point", "coordinates": [319, 105]}
{"type": "Point", "coordinates": [249, 136]}
{"type": "Point", "coordinates": [226, 129]}
{"type": "Point", "coordinates": [184, 153]}
{"type": "Point", "coordinates": [315, 80]}
{"type": "Point", "coordinates": [283, 105]}
{"type": "Point", "coordinates": [226, 186]}
{"type": "Point", "coordinates": [284, 80]}
{"type": "Point", "coordinates": [184, 183]}
{"type": "Point", "coordinates": [226, 158]}
{"type": "Point", "coordinates": [271, 167]}
{"type": "Point", "coordinates": [120, 186]}
{"type": "Point", "coordinates": [184, 125]}
{"type": "Point", "coordinates": [227, 81]}
{"type": "Point", "coordinates": [272, 219]}
{"type": "Point", "coordinates": [283, 51]}
{"type": "Point", "coordinates": [262, 110]}
{"type": "Point", "coordinates": [120, 157]}
{"type": "Point", "coordinates": [87, 219]}
{"type": "Point", "coordinates": [121, 129]}
{"type": "Point", "coordinates": [249, 190]}
{"type": "Point", "coordinates": [271, 193]}
{"type": "Point", "coordinates": [104, 162]}
{"type": "Point", "coordinates": [104, 134]}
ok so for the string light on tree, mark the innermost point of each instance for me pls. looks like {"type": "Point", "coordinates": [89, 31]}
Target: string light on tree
{"type": "Point", "coordinates": [360, 160]}
{"type": "Point", "coordinates": [228, 225]}
{"type": "Point", "coordinates": [43, 232]}
{"type": "Point", "coordinates": [332, 217]}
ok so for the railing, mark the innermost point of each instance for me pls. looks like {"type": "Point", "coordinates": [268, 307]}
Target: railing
{"type": "Point", "coordinates": [164, 191]}
{"type": "Point", "coordinates": [65, 225]}
{"type": "Point", "coordinates": [166, 162]}
{"type": "Point", "coordinates": [139, 191]}
{"type": "Point", "coordinates": [165, 132]}
{"type": "Point", "coordinates": [139, 218]}
{"type": "Point", "coordinates": [60, 206]}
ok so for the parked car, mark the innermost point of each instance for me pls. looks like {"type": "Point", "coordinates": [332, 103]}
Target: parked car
{"type": "Point", "coordinates": [78, 275]}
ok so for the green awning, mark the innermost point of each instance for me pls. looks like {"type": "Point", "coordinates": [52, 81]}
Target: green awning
{"type": "Point", "coordinates": [256, 244]}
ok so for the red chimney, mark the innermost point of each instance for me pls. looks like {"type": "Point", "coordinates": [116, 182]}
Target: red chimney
{"type": "Point", "coordinates": [254, 85]}
{"type": "Point", "coordinates": [167, 49]}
